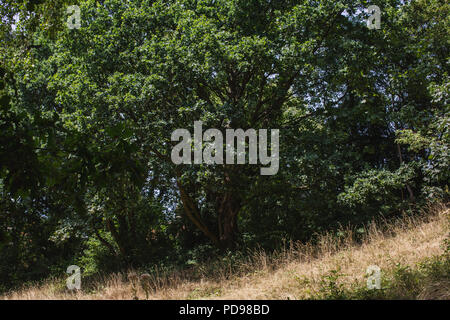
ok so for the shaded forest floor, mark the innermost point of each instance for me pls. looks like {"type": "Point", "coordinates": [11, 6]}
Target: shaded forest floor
{"type": "Point", "coordinates": [412, 253]}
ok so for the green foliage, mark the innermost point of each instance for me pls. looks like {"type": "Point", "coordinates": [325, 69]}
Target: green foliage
{"type": "Point", "coordinates": [96, 258]}
{"type": "Point", "coordinates": [330, 288]}
{"type": "Point", "coordinates": [377, 188]}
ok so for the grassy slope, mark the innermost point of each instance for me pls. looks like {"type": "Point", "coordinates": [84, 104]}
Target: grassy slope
{"type": "Point", "coordinates": [410, 252]}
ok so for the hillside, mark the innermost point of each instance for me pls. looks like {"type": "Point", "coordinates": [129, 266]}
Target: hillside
{"type": "Point", "coordinates": [411, 252]}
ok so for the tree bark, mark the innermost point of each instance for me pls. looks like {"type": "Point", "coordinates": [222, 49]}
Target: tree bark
{"type": "Point", "coordinates": [105, 243]}
{"type": "Point", "coordinates": [120, 237]}
{"type": "Point", "coordinates": [408, 187]}
{"type": "Point", "coordinates": [228, 210]}
{"type": "Point", "coordinates": [228, 205]}
{"type": "Point", "coordinates": [192, 213]}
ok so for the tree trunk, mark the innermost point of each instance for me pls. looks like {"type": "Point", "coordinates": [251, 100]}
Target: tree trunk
{"type": "Point", "coordinates": [121, 237]}
{"type": "Point", "coordinates": [408, 187]}
{"type": "Point", "coordinates": [192, 213]}
{"type": "Point", "coordinates": [228, 205]}
{"type": "Point", "coordinates": [227, 219]}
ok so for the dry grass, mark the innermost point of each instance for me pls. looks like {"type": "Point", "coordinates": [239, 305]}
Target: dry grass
{"type": "Point", "coordinates": [294, 273]}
